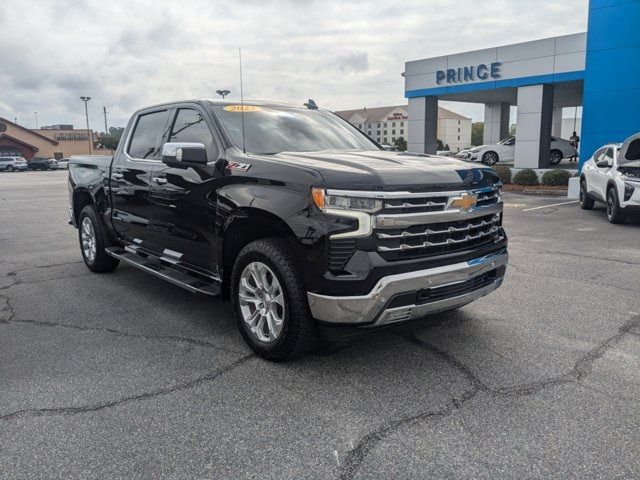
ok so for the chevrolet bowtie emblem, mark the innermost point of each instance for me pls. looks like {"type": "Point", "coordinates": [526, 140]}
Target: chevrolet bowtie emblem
{"type": "Point", "coordinates": [464, 202]}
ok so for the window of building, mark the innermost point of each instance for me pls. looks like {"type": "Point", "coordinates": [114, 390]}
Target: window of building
{"type": "Point", "coordinates": [402, 124]}
{"type": "Point", "coordinates": [401, 132]}
{"type": "Point", "coordinates": [458, 137]}
{"type": "Point", "coordinates": [190, 126]}
{"type": "Point", "coordinates": [369, 133]}
{"type": "Point", "coordinates": [385, 124]}
{"type": "Point", "coordinates": [378, 125]}
{"type": "Point", "coordinates": [378, 133]}
{"type": "Point", "coordinates": [393, 132]}
{"type": "Point", "coordinates": [393, 139]}
{"type": "Point", "coordinates": [393, 124]}
{"type": "Point", "coordinates": [458, 123]}
{"type": "Point", "coordinates": [148, 131]}
{"type": "Point", "coordinates": [385, 139]}
{"type": "Point", "coordinates": [385, 132]}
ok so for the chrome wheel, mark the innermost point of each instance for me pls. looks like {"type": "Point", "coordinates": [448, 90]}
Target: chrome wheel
{"type": "Point", "coordinates": [490, 158]}
{"type": "Point", "coordinates": [88, 237]}
{"type": "Point", "coordinates": [555, 157]}
{"type": "Point", "coordinates": [261, 302]}
{"type": "Point", "coordinates": [610, 203]}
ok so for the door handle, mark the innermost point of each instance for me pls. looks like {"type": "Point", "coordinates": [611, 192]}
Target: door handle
{"type": "Point", "coordinates": [160, 180]}
{"type": "Point", "coordinates": [117, 175]}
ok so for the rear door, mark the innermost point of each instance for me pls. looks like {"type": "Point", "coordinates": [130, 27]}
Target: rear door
{"type": "Point", "coordinates": [604, 163]}
{"type": "Point", "coordinates": [131, 176]}
{"type": "Point", "coordinates": [183, 199]}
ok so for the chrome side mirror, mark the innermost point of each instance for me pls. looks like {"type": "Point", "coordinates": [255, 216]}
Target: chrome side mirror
{"type": "Point", "coordinates": [184, 153]}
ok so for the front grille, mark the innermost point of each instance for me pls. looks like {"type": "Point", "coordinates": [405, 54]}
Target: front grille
{"type": "Point", "coordinates": [436, 238]}
{"type": "Point", "coordinates": [487, 198]}
{"type": "Point", "coordinates": [415, 204]}
{"type": "Point", "coordinates": [340, 251]}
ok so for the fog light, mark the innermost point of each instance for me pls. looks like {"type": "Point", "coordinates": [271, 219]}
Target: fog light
{"type": "Point", "coordinates": [628, 191]}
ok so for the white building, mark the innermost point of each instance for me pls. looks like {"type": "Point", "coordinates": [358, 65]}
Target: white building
{"type": "Point", "coordinates": [386, 124]}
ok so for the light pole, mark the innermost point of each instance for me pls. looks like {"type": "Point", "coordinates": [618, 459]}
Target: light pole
{"type": "Point", "coordinates": [36, 115]}
{"type": "Point", "coordinates": [104, 110]}
{"type": "Point", "coordinates": [223, 93]}
{"type": "Point", "coordinates": [86, 113]}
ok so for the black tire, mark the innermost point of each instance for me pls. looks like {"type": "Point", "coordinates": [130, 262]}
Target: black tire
{"type": "Point", "coordinates": [10, 168]}
{"type": "Point", "coordinates": [101, 261]}
{"type": "Point", "coordinates": [614, 212]}
{"type": "Point", "coordinates": [586, 202]}
{"type": "Point", "coordinates": [555, 157]}
{"type": "Point", "coordinates": [298, 334]}
{"type": "Point", "coordinates": [490, 158]}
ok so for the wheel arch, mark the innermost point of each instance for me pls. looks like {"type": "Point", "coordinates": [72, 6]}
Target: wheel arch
{"type": "Point", "coordinates": [243, 227]}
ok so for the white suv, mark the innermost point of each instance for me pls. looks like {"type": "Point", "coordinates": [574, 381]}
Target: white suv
{"type": "Point", "coordinates": [612, 176]}
{"type": "Point", "coordinates": [505, 150]}
{"type": "Point", "coordinates": [9, 164]}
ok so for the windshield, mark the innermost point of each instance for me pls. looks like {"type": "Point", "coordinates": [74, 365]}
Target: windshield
{"type": "Point", "coordinates": [270, 130]}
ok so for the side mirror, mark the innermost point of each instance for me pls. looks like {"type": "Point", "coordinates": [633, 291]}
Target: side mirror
{"type": "Point", "coordinates": [184, 154]}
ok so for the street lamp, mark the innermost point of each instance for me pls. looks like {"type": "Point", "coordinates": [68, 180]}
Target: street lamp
{"type": "Point", "coordinates": [86, 113]}
{"type": "Point", "coordinates": [36, 115]}
{"type": "Point", "coordinates": [223, 93]}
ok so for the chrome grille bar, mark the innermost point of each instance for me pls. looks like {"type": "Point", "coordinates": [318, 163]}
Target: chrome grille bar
{"type": "Point", "coordinates": [429, 231]}
{"type": "Point", "coordinates": [449, 241]}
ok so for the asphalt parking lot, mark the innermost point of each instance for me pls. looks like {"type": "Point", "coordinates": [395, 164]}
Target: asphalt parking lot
{"type": "Point", "coordinates": [124, 376]}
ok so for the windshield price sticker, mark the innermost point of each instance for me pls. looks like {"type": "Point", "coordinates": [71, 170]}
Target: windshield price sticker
{"type": "Point", "coordinates": [242, 108]}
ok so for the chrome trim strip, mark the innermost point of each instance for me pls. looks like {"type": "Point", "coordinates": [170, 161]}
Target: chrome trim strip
{"type": "Point", "coordinates": [416, 205]}
{"type": "Point", "coordinates": [429, 231]}
{"type": "Point", "coordinates": [401, 220]}
{"type": "Point", "coordinates": [363, 309]}
{"type": "Point", "coordinates": [370, 194]}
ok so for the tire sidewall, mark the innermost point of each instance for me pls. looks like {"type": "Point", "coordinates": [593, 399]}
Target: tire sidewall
{"type": "Point", "coordinates": [243, 260]}
{"type": "Point", "coordinates": [558, 158]}
{"type": "Point", "coordinates": [87, 213]}
{"type": "Point", "coordinates": [616, 215]}
{"type": "Point", "coordinates": [488, 158]}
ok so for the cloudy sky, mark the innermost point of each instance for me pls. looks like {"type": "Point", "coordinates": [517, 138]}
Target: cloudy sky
{"type": "Point", "coordinates": [344, 54]}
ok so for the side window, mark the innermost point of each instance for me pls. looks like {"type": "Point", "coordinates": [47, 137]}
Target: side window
{"type": "Point", "coordinates": [608, 156]}
{"type": "Point", "coordinates": [190, 126]}
{"type": "Point", "coordinates": [599, 155]}
{"type": "Point", "coordinates": [145, 142]}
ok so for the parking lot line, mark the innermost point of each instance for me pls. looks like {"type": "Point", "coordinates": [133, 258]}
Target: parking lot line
{"type": "Point", "coordinates": [547, 206]}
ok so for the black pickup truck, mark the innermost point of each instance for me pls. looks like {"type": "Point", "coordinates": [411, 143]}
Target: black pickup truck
{"type": "Point", "coordinates": [305, 223]}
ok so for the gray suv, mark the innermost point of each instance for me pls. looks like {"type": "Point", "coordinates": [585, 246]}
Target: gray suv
{"type": "Point", "coordinates": [9, 164]}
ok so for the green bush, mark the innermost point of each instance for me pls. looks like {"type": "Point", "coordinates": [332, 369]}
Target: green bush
{"type": "Point", "coordinates": [556, 177]}
{"type": "Point", "coordinates": [526, 177]}
{"type": "Point", "coordinates": [504, 173]}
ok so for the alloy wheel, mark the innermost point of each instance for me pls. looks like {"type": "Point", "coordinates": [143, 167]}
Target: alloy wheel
{"type": "Point", "coordinates": [88, 237]}
{"type": "Point", "coordinates": [610, 202]}
{"type": "Point", "coordinates": [261, 301]}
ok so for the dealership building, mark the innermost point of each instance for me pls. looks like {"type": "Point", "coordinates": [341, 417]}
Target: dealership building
{"type": "Point", "coordinates": [56, 141]}
{"type": "Point", "coordinates": [598, 70]}
{"type": "Point", "coordinates": [386, 124]}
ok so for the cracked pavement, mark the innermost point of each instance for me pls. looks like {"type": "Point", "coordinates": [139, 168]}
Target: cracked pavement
{"type": "Point", "coordinates": [124, 376]}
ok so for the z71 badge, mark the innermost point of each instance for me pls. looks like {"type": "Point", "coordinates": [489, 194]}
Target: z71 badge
{"type": "Point", "coordinates": [243, 167]}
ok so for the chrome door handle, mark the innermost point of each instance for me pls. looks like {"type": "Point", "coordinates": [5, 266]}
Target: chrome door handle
{"type": "Point", "coordinates": [117, 175]}
{"type": "Point", "coordinates": [160, 180]}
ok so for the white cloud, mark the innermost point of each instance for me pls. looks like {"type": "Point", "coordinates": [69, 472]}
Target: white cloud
{"type": "Point", "coordinates": [343, 54]}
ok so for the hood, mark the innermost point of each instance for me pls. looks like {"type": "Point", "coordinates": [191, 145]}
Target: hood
{"type": "Point", "coordinates": [374, 170]}
{"type": "Point", "coordinates": [630, 152]}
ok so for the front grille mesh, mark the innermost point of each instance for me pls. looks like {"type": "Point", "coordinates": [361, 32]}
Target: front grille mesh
{"type": "Point", "coordinates": [424, 240]}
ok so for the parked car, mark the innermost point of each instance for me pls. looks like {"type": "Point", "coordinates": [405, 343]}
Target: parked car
{"type": "Point", "coordinates": [43, 164]}
{"type": "Point", "coordinates": [9, 164]}
{"type": "Point", "coordinates": [63, 163]}
{"type": "Point", "coordinates": [612, 176]}
{"type": "Point", "coordinates": [505, 150]}
{"type": "Point", "coordinates": [307, 225]}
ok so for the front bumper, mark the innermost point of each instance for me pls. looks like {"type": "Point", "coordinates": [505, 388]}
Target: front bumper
{"type": "Point", "coordinates": [392, 299]}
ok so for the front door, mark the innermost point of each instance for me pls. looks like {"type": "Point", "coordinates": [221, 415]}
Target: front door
{"type": "Point", "coordinates": [131, 178]}
{"type": "Point", "coordinates": [183, 199]}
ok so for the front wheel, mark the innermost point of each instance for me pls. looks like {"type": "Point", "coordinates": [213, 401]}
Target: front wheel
{"type": "Point", "coordinates": [270, 301]}
{"type": "Point", "coordinates": [555, 157]}
{"type": "Point", "coordinates": [586, 203]}
{"type": "Point", "coordinates": [91, 237]}
{"type": "Point", "coordinates": [490, 158]}
{"type": "Point", "coordinates": [614, 212]}
{"type": "Point", "coordinates": [10, 168]}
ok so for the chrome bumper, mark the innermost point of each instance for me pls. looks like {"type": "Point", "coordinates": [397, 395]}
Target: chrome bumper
{"type": "Point", "coordinates": [370, 309]}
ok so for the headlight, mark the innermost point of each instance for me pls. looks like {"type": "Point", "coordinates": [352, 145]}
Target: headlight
{"type": "Point", "coordinates": [357, 208]}
{"type": "Point", "coordinates": [325, 201]}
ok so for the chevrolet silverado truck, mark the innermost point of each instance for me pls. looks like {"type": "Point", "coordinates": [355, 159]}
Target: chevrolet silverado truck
{"type": "Point", "coordinates": [309, 227]}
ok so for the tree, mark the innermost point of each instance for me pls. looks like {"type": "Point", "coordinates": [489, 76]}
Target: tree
{"type": "Point", "coordinates": [110, 140]}
{"type": "Point", "coordinates": [477, 133]}
{"type": "Point", "coordinates": [400, 144]}
{"type": "Point", "coordinates": [512, 130]}
{"type": "Point", "coordinates": [440, 145]}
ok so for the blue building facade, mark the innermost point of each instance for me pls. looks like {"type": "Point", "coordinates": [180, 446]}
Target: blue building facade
{"type": "Point", "coordinates": [611, 99]}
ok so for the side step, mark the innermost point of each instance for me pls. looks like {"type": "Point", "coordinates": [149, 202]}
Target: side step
{"type": "Point", "coordinates": [154, 266]}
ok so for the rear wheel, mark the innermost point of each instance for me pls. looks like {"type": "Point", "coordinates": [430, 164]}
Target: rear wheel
{"type": "Point", "coordinates": [555, 157]}
{"type": "Point", "coordinates": [490, 158]}
{"type": "Point", "coordinates": [614, 212]}
{"type": "Point", "coordinates": [10, 168]}
{"type": "Point", "coordinates": [91, 237]}
{"type": "Point", "coordinates": [586, 203]}
{"type": "Point", "coordinates": [270, 301]}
